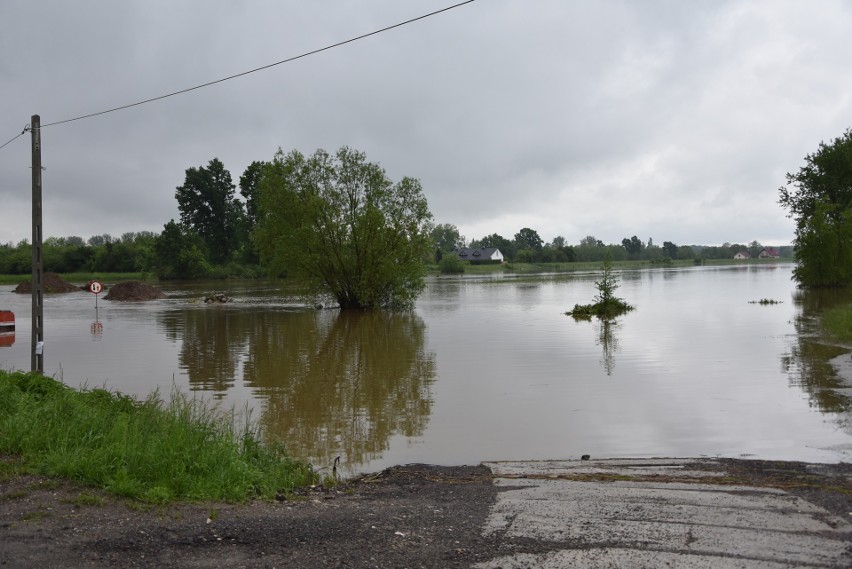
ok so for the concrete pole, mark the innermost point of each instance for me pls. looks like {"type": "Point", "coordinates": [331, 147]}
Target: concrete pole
{"type": "Point", "coordinates": [37, 335]}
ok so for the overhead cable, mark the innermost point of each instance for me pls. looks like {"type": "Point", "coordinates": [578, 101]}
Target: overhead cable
{"type": "Point", "coordinates": [244, 73]}
{"type": "Point", "coordinates": [16, 137]}
{"type": "Point", "coordinates": [255, 70]}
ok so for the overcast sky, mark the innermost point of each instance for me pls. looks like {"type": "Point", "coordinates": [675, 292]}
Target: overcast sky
{"type": "Point", "coordinates": [664, 119]}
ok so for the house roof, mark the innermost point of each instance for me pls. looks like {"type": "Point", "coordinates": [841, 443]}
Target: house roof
{"type": "Point", "coordinates": [469, 254]}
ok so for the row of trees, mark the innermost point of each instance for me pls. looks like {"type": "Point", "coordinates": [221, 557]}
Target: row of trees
{"type": "Point", "coordinates": [130, 253]}
{"type": "Point", "coordinates": [528, 247]}
{"type": "Point", "coordinates": [338, 220]}
{"type": "Point", "coordinates": [819, 198]}
{"type": "Point", "coordinates": [179, 252]}
{"type": "Point", "coordinates": [335, 220]}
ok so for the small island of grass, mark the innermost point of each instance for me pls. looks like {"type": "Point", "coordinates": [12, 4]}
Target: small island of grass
{"type": "Point", "coordinates": [607, 305]}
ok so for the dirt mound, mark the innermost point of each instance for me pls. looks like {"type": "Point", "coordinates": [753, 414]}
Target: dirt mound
{"type": "Point", "coordinates": [134, 290]}
{"type": "Point", "coordinates": [52, 283]}
{"type": "Point", "coordinates": [217, 298]}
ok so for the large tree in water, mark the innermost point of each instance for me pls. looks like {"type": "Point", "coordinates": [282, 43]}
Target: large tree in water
{"type": "Point", "coordinates": [342, 223]}
{"type": "Point", "coordinates": [819, 198]}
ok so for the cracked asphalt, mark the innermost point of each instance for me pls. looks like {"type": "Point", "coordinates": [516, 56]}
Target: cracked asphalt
{"type": "Point", "coordinates": [718, 513]}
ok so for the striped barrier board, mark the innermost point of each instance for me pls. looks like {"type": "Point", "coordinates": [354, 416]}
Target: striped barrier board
{"type": "Point", "coordinates": [7, 320]}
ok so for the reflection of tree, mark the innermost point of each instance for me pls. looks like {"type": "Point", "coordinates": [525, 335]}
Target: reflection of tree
{"type": "Point", "coordinates": [341, 383]}
{"type": "Point", "coordinates": [608, 342]}
{"type": "Point", "coordinates": [212, 339]}
{"type": "Point", "coordinates": [808, 363]}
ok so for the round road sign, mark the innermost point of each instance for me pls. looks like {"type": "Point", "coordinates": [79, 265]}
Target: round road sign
{"type": "Point", "coordinates": [95, 287]}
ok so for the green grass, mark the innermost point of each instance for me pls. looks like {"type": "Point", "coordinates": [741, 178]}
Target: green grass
{"type": "Point", "coordinates": [603, 310]}
{"type": "Point", "coordinates": [13, 279]}
{"type": "Point", "coordinates": [83, 277]}
{"type": "Point", "coordinates": [147, 450]}
{"type": "Point", "coordinates": [837, 322]}
{"type": "Point", "coordinates": [535, 268]}
{"type": "Point", "coordinates": [85, 499]}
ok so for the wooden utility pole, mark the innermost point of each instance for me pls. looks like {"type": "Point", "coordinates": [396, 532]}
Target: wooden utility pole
{"type": "Point", "coordinates": [37, 335]}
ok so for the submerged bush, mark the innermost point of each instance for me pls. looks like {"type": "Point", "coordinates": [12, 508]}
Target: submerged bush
{"type": "Point", "coordinates": [148, 450]}
{"type": "Point", "coordinates": [451, 265]}
{"type": "Point", "coordinates": [607, 305]}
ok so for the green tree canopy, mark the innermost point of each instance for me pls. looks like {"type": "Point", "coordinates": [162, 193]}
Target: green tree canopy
{"type": "Point", "coordinates": [528, 238]}
{"type": "Point", "coordinates": [670, 249]}
{"type": "Point", "coordinates": [207, 206]}
{"type": "Point", "coordinates": [248, 189]}
{"type": "Point", "coordinates": [496, 240]}
{"type": "Point", "coordinates": [633, 246]}
{"type": "Point", "coordinates": [179, 253]}
{"type": "Point", "coordinates": [819, 198]}
{"type": "Point", "coordinates": [447, 238]}
{"type": "Point", "coordinates": [340, 221]}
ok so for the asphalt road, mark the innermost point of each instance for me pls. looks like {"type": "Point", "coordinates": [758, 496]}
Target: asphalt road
{"type": "Point", "coordinates": [657, 513]}
{"type": "Point", "coordinates": [693, 513]}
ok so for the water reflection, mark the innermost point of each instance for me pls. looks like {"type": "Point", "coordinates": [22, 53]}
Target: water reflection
{"type": "Point", "coordinates": [608, 342]}
{"type": "Point", "coordinates": [212, 341]}
{"type": "Point", "coordinates": [343, 383]}
{"type": "Point", "coordinates": [808, 362]}
{"type": "Point", "coordinates": [329, 383]}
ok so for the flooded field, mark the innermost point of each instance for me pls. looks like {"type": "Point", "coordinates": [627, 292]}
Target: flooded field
{"type": "Point", "coordinates": [485, 368]}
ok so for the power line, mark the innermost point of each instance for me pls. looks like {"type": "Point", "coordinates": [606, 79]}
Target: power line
{"type": "Point", "coordinates": [255, 70]}
{"type": "Point", "coordinates": [244, 73]}
{"type": "Point", "coordinates": [13, 139]}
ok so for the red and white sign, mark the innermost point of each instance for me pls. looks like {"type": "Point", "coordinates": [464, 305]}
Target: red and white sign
{"type": "Point", "coordinates": [95, 287]}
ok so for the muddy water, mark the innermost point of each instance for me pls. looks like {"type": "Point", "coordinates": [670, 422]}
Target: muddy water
{"type": "Point", "coordinates": [486, 368]}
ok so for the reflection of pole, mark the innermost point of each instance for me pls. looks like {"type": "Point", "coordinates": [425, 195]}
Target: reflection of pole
{"type": "Point", "coordinates": [37, 334]}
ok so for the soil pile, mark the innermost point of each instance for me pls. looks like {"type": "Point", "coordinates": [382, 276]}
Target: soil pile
{"type": "Point", "coordinates": [134, 290]}
{"type": "Point", "coordinates": [52, 283]}
{"type": "Point", "coordinates": [217, 298]}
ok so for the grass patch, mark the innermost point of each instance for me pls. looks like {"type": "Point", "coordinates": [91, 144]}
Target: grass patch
{"type": "Point", "coordinates": [603, 310]}
{"type": "Point", "coordinates": [514, 267]}
{"type": "Point", "coordinates": [608, 306]}
{"type": "Point", "coordinates": [837, 322]}
{"type": "Point", "coordinates": [146, 450]}
{"type": "Point", "coordinates": [83, 277]}
{"type": "Point", "coordinates": [85, 499]}
{"type": "Point", "coordinates": [34, 516]}
{"type": "Point", "coordinates": [49, 484]}
{"type": "Point", "coordinates": [15, 495]}
{"type": "Point", "coordinates": [9, 469]}
{"type": "Point", "coordinates": [451, 265]}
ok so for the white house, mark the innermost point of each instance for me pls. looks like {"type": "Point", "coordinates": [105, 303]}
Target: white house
{"type": "Point", "coordinates": [485, 254]}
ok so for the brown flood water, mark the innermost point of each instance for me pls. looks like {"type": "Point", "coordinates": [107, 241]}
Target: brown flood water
{"type": "Point", "coordinates": [485, 368]}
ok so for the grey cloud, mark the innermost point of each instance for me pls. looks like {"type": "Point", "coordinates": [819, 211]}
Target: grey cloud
{"type": "Point", "coordinates": [609, 118]}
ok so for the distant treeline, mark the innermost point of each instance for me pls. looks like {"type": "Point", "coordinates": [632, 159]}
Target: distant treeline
{"type": "Point", "coordinates": [137, 252]}
{"type": "Point", "coordinates": [131, 253]}
{"type": "Point", "coordinates": [528, 247]}
{"type": "Point", "coordinates": [216, 237]}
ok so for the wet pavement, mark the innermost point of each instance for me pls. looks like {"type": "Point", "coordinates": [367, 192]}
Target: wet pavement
{"type": "Point", "coordinates": [654, 513]}
{"type": "Point", "coordinates": [705, 513]}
